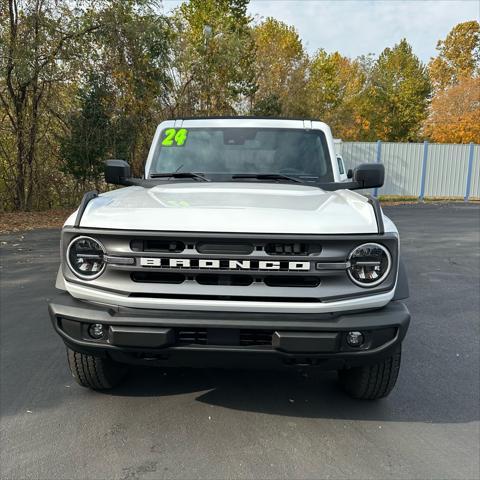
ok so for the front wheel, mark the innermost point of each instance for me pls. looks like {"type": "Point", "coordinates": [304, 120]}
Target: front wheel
{"type": "Point", "coordinates": [93, 372]}
{"type": "Point", "coordinates": [371, 382]}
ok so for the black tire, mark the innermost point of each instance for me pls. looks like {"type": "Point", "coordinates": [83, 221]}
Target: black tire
{"type": "Point", "coordinates": [95, 372]}
{"type": "Point", "coordinates": [371, 382]}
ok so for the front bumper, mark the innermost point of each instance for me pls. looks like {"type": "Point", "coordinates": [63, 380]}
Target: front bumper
{"type": "Point", "coordinates": [200, 338]}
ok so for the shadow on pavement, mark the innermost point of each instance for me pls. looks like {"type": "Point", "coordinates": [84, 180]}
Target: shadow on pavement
{"type": "Point", "coordinates": [307, 394]}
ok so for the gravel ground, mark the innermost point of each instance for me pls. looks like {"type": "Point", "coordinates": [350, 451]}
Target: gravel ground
{"type": "Point", "coordinates": [188, 423]}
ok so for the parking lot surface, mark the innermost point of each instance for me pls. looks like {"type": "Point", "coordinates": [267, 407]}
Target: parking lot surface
{"type": "Point", "coordinates": [187, 423]}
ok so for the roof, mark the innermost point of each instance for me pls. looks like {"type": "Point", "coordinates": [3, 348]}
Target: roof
{"type": "Point", "coordinates": [243, 117]}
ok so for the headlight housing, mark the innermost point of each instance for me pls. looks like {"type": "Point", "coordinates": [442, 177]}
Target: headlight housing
{"type": "Point", "coordinates": [85, 257]}
{"type": "Point", "coordinates": [369, 264]}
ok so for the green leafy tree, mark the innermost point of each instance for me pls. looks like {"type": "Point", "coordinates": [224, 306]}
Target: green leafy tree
{"type": "Point", "coordinates": [85, 146]}
{"type": "Point", "coordinates": [335, 89]}
{"type": "Point", "coordinates": [40, 44]}
{"type": "Point", "coordinates": [269, 106]}
{"type": "Point", "coordinates": [280, 68]}
{"type": "Point", "coordinates": [397, 95]}
{"type": "Point", "coordinates": [211, 58]}
{"type": "Point", "coordinates": [458, 56]}
{"type": "Point", "coordinates": [131, 52]}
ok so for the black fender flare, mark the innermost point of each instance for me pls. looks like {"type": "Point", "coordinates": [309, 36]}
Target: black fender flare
{"type": "Point", "coordinates": [401, 290]}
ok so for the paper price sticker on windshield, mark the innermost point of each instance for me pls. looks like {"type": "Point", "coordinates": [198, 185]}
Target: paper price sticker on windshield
{"type": "Point", "coordinates": [174, 138]}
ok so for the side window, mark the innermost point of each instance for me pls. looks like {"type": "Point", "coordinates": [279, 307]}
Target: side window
{"type": "Point", "coordinates": [341, 168]}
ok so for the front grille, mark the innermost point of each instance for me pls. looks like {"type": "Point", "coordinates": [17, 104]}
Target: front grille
{"type": "Point", "coordinates": [222, 337]}
{"type": "Point", "coordinates": [225, 269]}
{"type": "Point", "coordinates": [205, 267]}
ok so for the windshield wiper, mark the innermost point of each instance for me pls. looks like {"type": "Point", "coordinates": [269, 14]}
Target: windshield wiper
{"type": "Point", "coordinates": [268, 176]}
{"type": "Point", "coordinates": [180, 175]}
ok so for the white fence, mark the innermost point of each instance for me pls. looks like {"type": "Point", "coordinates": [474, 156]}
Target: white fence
{"type": "Point", "coordinates": [420, 169]}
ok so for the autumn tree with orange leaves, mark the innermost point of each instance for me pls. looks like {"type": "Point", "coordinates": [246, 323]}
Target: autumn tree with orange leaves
{"type": "Point", "coordinates": [454, 115]}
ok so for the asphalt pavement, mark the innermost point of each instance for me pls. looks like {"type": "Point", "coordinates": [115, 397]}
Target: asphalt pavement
{"type": "Point", "coordinates": [187, 423]}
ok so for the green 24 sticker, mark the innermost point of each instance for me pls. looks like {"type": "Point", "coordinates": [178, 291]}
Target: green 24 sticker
{"type": "Point", "coordinates": [174, 137]}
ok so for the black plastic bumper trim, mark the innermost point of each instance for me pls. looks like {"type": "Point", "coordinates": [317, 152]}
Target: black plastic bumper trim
{"type": "Point", "coordinates": [303, 342]}
{"type": "Point", "coordinates": [310, 327]}
{"type": "Point", "coordinates": [142, 337]}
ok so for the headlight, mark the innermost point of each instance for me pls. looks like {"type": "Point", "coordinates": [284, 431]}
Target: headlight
{"type": "Point", "coordinates": [85, 257]}
{"type": "Point", "coordinates": [370, 264]}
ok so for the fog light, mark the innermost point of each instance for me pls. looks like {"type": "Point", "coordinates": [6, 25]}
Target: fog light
{"type": "Point", "coordinates": [96, 331]}
{"type": "Point", "coordinates": [355, 339]}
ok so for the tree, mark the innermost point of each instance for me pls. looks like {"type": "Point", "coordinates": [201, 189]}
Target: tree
{"type": "Point", "coordinates": [459, 56]}
{"type": "Point", "coordinates": [455, 114]}
{"type": "Point", "coordinates": [269, 106]}
{"type": "Point", "coordinates": [280, 68]}
{"type": "Point", "coordinates": [38, 50]}
{"type": "Point", "coordinates": [334, 91]}
{"type": "Point", "coordinates": [211, 63]}
{"type": "Point", "coordinates": [397, 95]}
{"type": "Point", "coordinates": [85, 145]}
{"type": "Point", "coordinates": [130, 52]}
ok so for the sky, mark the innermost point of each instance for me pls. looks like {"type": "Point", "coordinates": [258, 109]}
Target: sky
{"type": "Point", "coordinates": [359, 27]}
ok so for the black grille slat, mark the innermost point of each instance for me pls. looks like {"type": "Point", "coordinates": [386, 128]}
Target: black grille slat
{"type": "Point", "coordinates": [255, 337]}
{"type": "Point", "coordinates": [158, 277]}
{"type": "Point", "coordinates": [304, 281]}
{"type": "Point", "coordinates": [225, 248]}
{"type": "Point", "coordinates": [292, 249]}
{"type": "Point", "coordinates": [224, 279]}
{"type": "Point", "coordinates": [191, 337]}
{"type": "Point", "coordinates": [157, 245]}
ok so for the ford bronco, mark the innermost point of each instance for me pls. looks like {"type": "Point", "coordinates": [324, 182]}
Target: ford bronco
{"type": "Point", "coordinates": [244, 244]}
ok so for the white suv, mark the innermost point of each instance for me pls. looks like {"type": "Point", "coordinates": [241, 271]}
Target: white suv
{"type": "Point", "coordinates": [243, 244]}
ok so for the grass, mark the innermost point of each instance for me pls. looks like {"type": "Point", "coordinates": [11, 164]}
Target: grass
{"type": "Point", "coordinates": [398, 199]}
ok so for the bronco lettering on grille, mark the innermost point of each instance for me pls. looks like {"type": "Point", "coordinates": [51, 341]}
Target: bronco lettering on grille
{"type": "Point", "coordinates": [223, 264]}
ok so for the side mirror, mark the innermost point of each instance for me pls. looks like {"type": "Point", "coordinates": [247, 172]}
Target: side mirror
{"type": "Point", "coordinates": [369, 175]}
{"type": "Point", "coordinates": [350, 173]}
{"type": "Point", "coordinates": [117, 172]}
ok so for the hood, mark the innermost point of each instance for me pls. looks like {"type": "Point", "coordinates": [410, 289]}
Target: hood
{"type": "Point", "coordinates": [230, 208]}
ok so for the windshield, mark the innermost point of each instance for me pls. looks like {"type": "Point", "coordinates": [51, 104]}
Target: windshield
{"type": "Point", "coordinates": [230, 151]}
